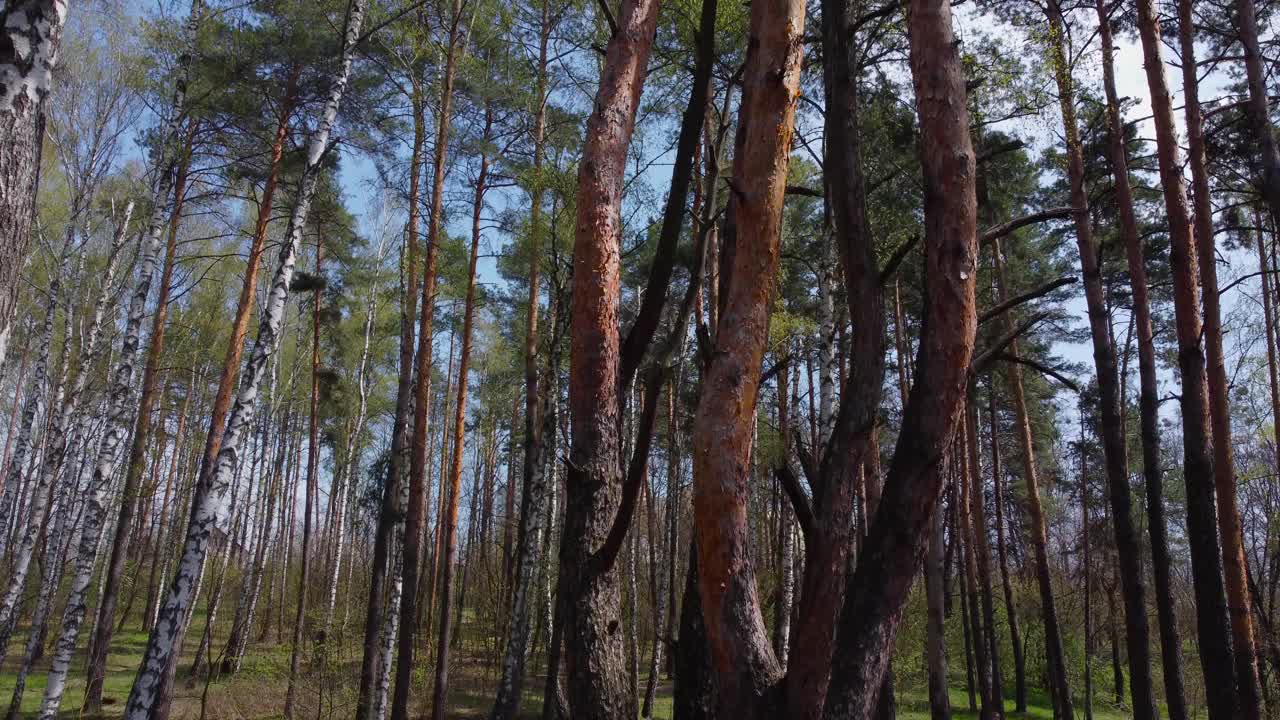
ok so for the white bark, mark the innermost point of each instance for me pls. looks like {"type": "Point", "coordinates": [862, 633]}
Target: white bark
{"type": "Point", "coordinates": [33, 28]}
{"type": "Point", "coordinates": [60, 433]}
{"type": "Point", "coordinates": [390, 628]}
{"type": "Point", "coordinates": [108, 452]}
{"type": "Point", "coordinates": [209, 502]}
{"type": "Point", "coordinates": [32, 407]}
{"type": "Point", "coordinates": [827, 370]}
{"type": "Point", "coordinates": [248, 605]}
{"type": "Point", "coordinates": [353, 460]}
{"type": "Point", "coordinates": [31, 32]}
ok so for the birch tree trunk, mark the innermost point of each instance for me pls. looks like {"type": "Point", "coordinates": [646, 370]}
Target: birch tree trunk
{"type": "Point", "coordinates": [57, 674]}
{"type": "Point", "coordinates": [16, 476]}
{"type": "Point", "coordinates": [60, 432]}
{"type": "Point", "coordinates": [242, 625]}
{"type": "Point", "coordinates": [28, 55]}
{"type": "Point", "coordinates": [207, 507]}
{"type": "Point", "coordinates": [353, 460]}
{"type": "Point", "coordinates": [100, 643]}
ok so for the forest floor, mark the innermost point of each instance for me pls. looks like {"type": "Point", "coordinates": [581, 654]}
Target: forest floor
{"type": "Point", "coordinates": [328, 691]}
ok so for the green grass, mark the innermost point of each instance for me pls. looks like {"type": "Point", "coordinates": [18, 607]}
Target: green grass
{"type": "Point", "coordinates": [258, 690]}
{"type": "Point", "coordinates": [914, 705]}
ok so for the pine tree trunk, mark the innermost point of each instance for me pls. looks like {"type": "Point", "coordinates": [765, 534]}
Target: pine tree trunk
{"type": "Point", "coordinates": [1216, 658]}
{"type": "Point", "coordinates": [891, 553]}
{"type": "Point", "coordinates": [745, 668]}
{"type": "Point", "coordinates": [415, 520]}
{"type": "Point", "coordinates": [695, 682]}
{"type": "Point", "coordinates": [207, 507]}
{"type": "Point", "coordinates": [1006, 582]}
{"type": "Point", "coordinates": [1269, 314]}
{"type": "Point", "coordinates": [1234, 564]}
{"type": "Point", "coordinates": [1258, 106]}
{"type": "Point", "coordinates": [391, 512]}
{"type": "Point", "coordinates": [968, 532]}
{"type": "Point", "coordinates": [1148, 400]}
{"type": "Point", "coordinates": [1039, 530]}
{"type": "Point", "coordinates": [449, 527]}
{"type": "Point", "coordinates": [1104, 357]}
{"type": "Point", "coordinates": [592, 604]}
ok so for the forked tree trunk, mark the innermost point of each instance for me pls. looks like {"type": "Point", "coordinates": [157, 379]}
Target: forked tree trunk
{"type": "Point", "coordinates": [745, 668]}
{"type": "Point", "coordinates": [592, 605]}
{"type": "Point", "coordinates": [1216, 658]}
{"type": "Point", "coordinates": [1104, 360]}
{"type": "Point", "coordinates": [207, 507]}
{"type": "Point", "coordinates": [1148, 394]}
{"type": "Point", "coordinates": [891, 552]}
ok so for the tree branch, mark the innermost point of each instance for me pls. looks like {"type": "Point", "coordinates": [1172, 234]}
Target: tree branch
{"type": "Point", "coordinates": [604, 558]}
{"type": "Point", "coordinates": [608, 17]}
{"type": "Point", "coordinates": [805, 458]}
{"type": "Point", "coordinates": [804, 191]}
{"type": "Point", "coordinates": [799, 501]}
{"type": "Point", "coordinates": [1026, 297]}
{"type": "Point", "coordinates": [899, 254]}
{"type": "Point", "coordinates": [982, 362]}
{"type": "Point", "coordinates": [1042, 369]}
{"type": "Point", "coordinates": [1000, 231]}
